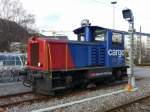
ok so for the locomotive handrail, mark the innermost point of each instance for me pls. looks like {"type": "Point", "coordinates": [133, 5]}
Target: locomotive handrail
{"type": "Point", "coordinates": [50, 57]}
{"type": "Point", "coordinates": [66, 57]}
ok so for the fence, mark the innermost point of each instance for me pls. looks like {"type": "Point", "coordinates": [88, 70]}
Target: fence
{"type": "Point", "coordinates": [10, 66]}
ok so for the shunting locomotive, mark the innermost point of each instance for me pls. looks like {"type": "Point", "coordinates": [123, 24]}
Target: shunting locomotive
{"type": "Point", "coordinates": [56, 64]}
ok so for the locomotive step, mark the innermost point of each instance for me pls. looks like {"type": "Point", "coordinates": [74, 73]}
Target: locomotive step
{"type": "Point", "coordinates": [58, 88]}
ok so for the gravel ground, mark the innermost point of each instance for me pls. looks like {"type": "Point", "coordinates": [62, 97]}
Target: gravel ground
{"type": "Point", "coordinates": [98, 105]}
{"type": "Point", "coordinates": [13, 87]}
{"type": "Point", "coordinates": [142, 106]}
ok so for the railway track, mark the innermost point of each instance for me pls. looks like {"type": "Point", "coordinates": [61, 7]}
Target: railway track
{"type": "Point", "coordinates": [128, 104]}
{"type": "Point", "coordinates": [19, 98]}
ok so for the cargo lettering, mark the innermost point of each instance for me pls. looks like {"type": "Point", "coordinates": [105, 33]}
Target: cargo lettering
{"type": "Point", "coordinates": [113, 52]}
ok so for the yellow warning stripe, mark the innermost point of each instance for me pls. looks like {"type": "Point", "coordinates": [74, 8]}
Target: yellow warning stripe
{"type": "Point", "coordinates": [50, 57]}
{"type": "Point", "coordinates": [46, 59]}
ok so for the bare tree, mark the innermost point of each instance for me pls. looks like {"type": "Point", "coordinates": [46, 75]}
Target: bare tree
{"type": "Point", "coordinates": [12, 10]}
{"type": "Point", "coordinates": [14, 23]}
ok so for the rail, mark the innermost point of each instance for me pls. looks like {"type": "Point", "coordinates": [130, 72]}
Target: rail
{"type": "Point", "coordinates": [128, 104]}
{"type": "Point", "coordinates": [19, 98]}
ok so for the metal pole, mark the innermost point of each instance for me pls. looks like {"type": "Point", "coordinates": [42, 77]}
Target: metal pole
{"type": "Point", "coordinates": [113, 3]}
{"type": "Point", "coordinates": [127, 14]}
{"type": "Point", "coordinates": [140, 57]}
{"type": "Point", "coordinates": [113, 16]}
{"type": "Point", "coordinates": [131, 63]}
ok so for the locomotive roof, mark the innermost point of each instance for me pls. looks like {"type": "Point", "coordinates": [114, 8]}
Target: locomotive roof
{"type": "Point", "coordinates": [81, 29]}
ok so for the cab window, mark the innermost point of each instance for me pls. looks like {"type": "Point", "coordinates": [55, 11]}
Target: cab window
{"type": "Point", "coordinates": [99, 35]}
{"type": "Point", "coordinates": [81, 37]}
{"type": "Point", "coordinates": [116, 38]}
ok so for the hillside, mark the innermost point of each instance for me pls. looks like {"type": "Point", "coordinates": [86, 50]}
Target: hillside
{"type": "Point", "coordinates": [11, 32]}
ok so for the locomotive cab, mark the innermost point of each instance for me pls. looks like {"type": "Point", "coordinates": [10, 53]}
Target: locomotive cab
{"type": "Point", "coordinates": [111, 40]}
{"type": "Point", "coordinates": [90, 33]}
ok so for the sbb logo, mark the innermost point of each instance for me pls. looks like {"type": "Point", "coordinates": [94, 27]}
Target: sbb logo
{"type": "Point", "coordinates": [113, 52]}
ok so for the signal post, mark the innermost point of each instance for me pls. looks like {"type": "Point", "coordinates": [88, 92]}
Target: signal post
{"type": "Point", "coordinates": [127, 15]}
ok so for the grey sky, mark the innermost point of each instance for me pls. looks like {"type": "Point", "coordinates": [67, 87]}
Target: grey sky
{"type": "Point", "coordinates": [67, 14]}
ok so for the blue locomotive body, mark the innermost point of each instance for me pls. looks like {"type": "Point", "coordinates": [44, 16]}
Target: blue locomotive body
{"type": "Point", "coordinates": [105, 48]}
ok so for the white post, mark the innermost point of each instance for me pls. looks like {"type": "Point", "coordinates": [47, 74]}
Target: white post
{"type": "Point", "coordinates": [127, 14]}
{"type": "Point", "coordinates": [140, 57]}
{"type": "Point", "coordinates": [131, 79]}
{"type": "Point", "coordinates": [113, 3]}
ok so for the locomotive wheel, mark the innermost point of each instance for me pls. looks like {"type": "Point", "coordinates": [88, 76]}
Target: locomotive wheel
{"type": "Point", "coordinates": [34, 86]}
{"type": "Point", "coordinates": [85, 83]}
{"type": "Point", "coordinates": [69, 81]}
{"type": "Point", "coordinates": [118, 75]}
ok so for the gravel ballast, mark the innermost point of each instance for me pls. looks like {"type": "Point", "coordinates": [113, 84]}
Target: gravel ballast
{"type": "Point", "coordinates": [98, 105]}
{"type": "Point", "coordinates": [141, 106]}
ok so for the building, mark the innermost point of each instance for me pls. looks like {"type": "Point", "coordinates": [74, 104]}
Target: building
{"type": "Point", "coordinates": [141, 46]}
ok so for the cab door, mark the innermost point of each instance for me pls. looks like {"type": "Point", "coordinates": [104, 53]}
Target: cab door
{"type": "Point", "coordinates": [115, 49]}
